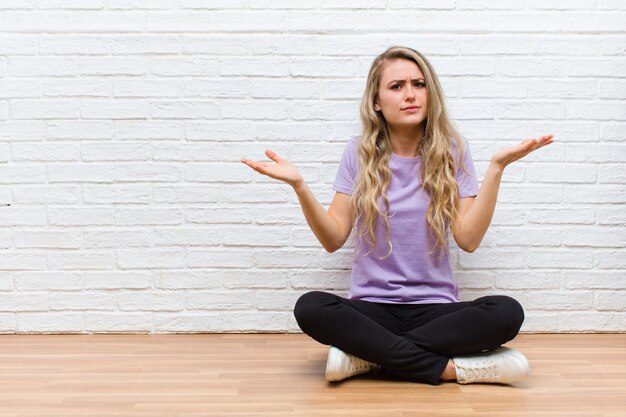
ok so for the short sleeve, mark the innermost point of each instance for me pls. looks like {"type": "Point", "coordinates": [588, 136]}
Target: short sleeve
{"type": "Point", "coordinates": [466, 175]}
{"type": "Point", "coordinates": [346, 174]}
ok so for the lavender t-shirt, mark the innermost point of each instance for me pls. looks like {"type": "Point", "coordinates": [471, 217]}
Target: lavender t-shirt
{"type": "Point", "coordinates": [410, 275]}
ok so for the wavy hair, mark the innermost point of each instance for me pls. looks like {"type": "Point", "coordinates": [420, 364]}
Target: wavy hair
{"type": "Point", "coordinates": [437, 173]}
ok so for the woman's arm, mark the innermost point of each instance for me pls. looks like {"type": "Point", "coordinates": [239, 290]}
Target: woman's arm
{"type": "Point", "coordinates": [331, 228]}
{"type": "Point", "coordinates": [475, 214]}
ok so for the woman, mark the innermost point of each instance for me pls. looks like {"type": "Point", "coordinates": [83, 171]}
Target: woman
{"type": "Point", "coordinates": [405, 185]}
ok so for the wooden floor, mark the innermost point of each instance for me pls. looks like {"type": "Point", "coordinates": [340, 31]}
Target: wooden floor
{"type": "Point", "coordinates": [283, 375]}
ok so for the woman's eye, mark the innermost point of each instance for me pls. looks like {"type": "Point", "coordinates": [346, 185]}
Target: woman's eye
{"type": "Point", "coordinates": [419, 84]}
{"type": "Point", "coordinates": [395, 86]}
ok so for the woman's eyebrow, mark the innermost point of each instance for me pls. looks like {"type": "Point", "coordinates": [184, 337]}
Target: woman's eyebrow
{"type": "Point", "coordinates": [403, 81]}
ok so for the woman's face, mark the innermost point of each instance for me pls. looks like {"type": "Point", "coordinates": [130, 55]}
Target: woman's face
{"type": "Point", "coordinates": [402, 96]}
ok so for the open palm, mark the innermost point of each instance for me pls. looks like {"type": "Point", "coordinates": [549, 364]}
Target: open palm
{"type": "Point", "coordinates": [508, 155]}
{"type": "Point", "coordinates": [282, 169]}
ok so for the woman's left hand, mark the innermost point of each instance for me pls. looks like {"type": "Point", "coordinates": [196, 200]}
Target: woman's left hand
{"type": "Point", "coordinates": [505, 156]}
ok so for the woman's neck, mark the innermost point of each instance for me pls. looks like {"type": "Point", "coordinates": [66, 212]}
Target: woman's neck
{"type": "Point", "coordinates": [405, 142]}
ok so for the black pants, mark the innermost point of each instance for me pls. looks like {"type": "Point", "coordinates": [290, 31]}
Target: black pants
{"type": "Point", "coordinates": [410, 341]}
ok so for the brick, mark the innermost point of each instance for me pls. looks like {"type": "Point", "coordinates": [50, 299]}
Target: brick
{"type": "Point", "coordinates": [162, 109]}
{"type": "Point", "coordinates": [81, 260]}
{"type": "Point", "coordinates": [23, 216]}
{"type": "Point", "coordinates": [81, 216]}
{"type": "Point", "coordinates": [583, 321]}
{"type": "Point", "coordinates": [115, 152]}
{"type": "Point", "coordinates": [215, 300]}
{"type": "Point", "coordinates": [146, 44]}
{"type": "Point", "coordinates": [117, 238]}
{"type": "Point", "coordinates": [203, 321]}
{"type": "Point", "coordinates": [147, 88]}
{"type": "Point", "coordinates": [77, 172]}
{"type": "Point", "coordinates": [147, 172]}
{"type": "Point", "coordinates": [46, 152]}
{"type": "Point", "coordinates": [196, 279]}
{"type": "Point", "coordinates": [48, 239]}
{"type": "Point", "coordinates": [22, 173]}
{"type": "Point", "coordinates": [115, 194]}
{"type": "Point", "coordinates": [86, 301]}
{"type": "Point", "coordinates": [22, 131]}
{"type": "Point", "coordinates": [77, 88]}
{"type": "Point", "coordinates": [45, 109]}
{"type": "Point", "coordinates": [560, 173]}
{"type": "Point", "coordinates": [187, 237]}
{"type": "Point", "coordinates": [186, 194]}
{"type": "Point", "coordinates": [141, 259]}
{"type": "Point", "coordinates": [610, 301]}
{"type": "Point", "coordinates": [286, 259]}
{"type": "Point", "coordinates": [17, 88]}
{"type": "Point", "coordinates": [594, 22]}
{"type": "Point", "coordinates": [57, 44]}
{"type": "Point", "coordinates": [31, 301]}
{"type": "Point", "coordinates": [615, 215]}
{"type": "Point", "coordinates": [214, 44]}
{"type": "Point", "coordinates": [553, 258]}
{"type": "Point", "coordinates": [41, 66]}
{"type": "Point", "coordinates": [151, 130]}
{"type": "Point", "coordinates": [265, 110]}
{"type": "Point", "coordinates": [421, 21]}
{"type": "Point", "coordinates": [220, 258]}
{"type": "Point", "coordinates": [112, 66]}
{"type": "Point", "coordinates": [147, 216]}
{"type": "Point", "coordinates": [79, 130]}
{"type": "Point", "coordinates": [116, 280]}
{"type": "Point", "coordinates": [560, 301]}
{"type": "Point", "coordinates": [525, 279]}
{"type": "Point", "coordinates": [230, 215]}
{"type": "Point", "coordinates": [611, 259]}
{"type": "Point", "coordinates": [254, 236]}
{"type": "Point", "coordinates": [53, 322]}
{"type": "Point", "coordinates": [116, 322]}
{"type": "Point", "coordinates": [597, 237]}
{"type": "Point", "coordinates": [322, 110]}
{"type": "Point", "coordinates": [151, 301]}
{"type": "Point", "coordinates": [74, 21]}
{"type": "Point", "coordinates": [591, 280]}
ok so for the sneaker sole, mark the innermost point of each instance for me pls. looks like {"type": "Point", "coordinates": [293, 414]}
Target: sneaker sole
{"type": "Point", "coordinates": [333, 362]}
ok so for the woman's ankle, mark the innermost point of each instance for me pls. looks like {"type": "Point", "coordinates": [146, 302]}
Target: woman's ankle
{"type": "Point", "coordinates": [449, 374]}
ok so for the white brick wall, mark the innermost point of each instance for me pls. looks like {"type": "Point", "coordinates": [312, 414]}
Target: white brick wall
{"type": "Point", "coordinates": [123, 207]}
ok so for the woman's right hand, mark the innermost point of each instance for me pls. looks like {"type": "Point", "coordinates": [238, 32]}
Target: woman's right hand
{"type": "Point", "coordinates": [282, 170]}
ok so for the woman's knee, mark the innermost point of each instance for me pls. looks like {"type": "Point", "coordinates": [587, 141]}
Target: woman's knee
{"type": "Point", "coordinates": [512, 310]}
{"type": "Point", "coordinates": [308, 308]}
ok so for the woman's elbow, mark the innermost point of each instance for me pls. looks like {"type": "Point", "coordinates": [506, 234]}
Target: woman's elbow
{"type": "Point", "coordinates": [469, 248]}
{"type": "Point", "coordinates": [329, 247]}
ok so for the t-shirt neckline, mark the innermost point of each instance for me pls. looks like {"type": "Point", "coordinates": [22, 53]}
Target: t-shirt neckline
{"type": "Point", "coordinates": [404, 159]}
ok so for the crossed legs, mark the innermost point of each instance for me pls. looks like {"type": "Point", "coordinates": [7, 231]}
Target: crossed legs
{"type": "Point", "coordinates": [411, 341]}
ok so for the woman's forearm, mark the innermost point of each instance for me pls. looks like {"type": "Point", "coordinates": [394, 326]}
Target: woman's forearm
{"type": "Point", "coordinates": [476, 221]}
{"type": "Point", "coordinates": [323, 225]}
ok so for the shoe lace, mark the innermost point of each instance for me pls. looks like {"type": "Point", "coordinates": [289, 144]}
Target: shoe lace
{"type": "Point", "coordinates": [358, 364]}
{"type": "Point", "coordinates": [480, 371]}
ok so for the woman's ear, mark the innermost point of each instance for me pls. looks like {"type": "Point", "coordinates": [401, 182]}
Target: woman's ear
{"type": "Point", "coordinates": [376, 106]}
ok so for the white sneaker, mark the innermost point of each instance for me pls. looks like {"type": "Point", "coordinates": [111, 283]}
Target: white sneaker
{"type": "Point", "coordinates": [341, 365]}
{"type": "Point", "coordinates": [502, 365]}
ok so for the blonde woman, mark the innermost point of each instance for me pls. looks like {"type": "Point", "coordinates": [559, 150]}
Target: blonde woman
{"type": "Point", "coordinates": [405, 185]}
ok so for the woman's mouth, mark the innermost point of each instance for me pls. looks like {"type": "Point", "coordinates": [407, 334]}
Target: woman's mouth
{"type": "Point", "coordinates": [410, 109]}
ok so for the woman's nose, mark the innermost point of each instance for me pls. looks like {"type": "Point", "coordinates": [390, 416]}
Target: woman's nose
{"type": "Point", "coordinates": [410, 93]}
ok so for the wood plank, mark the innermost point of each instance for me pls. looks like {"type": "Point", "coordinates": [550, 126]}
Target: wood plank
{"type": "Point", "coordinates": [577, 375]}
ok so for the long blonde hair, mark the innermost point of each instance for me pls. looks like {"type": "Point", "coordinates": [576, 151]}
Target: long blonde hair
{"type": "Point", "coordinates": [437, 173]}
